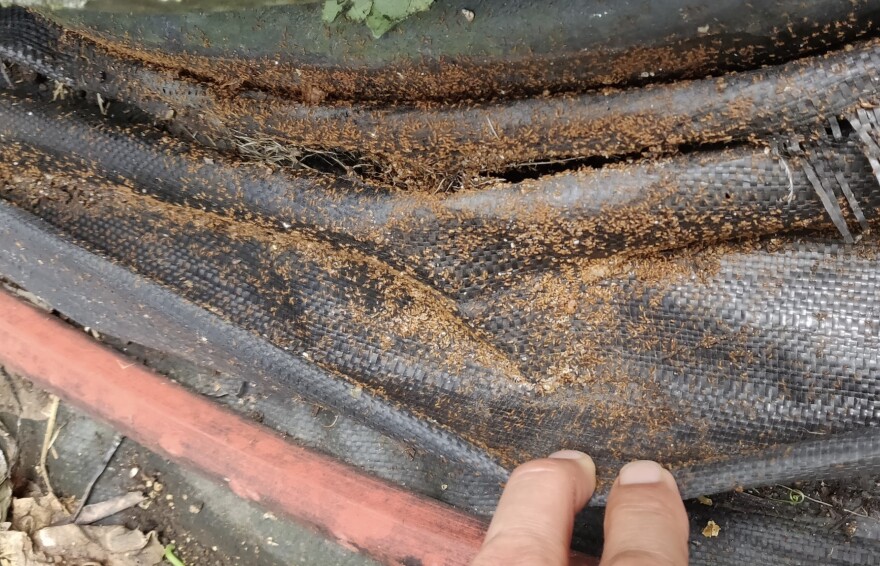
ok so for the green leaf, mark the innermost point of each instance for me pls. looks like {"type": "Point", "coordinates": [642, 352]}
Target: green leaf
{"type": "Point", "coordinates": [332, 9]}
{"type": "Point", "coordinates": [359, 10]}
{"type": "Point", "coordinates": [419, 5]}
{"type": "Point", "coordinates": [379, 15]}
{"type": "Point", "coordinates": [379, 24]}
{"type": "Point", "coordinates": [395, 10]}
{"type": "Point", "coordinates": [388, 13]}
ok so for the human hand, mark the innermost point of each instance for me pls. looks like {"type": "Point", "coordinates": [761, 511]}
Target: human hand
{"type": "Point", "coordinates": [645, 520]}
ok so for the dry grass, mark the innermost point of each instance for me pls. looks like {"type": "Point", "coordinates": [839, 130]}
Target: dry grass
{"type": "Point", "coordinates": [269, 150]}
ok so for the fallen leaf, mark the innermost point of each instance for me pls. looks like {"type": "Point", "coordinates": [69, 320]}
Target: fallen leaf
{"type": "Point", "coordinates": [30, 514]}
{"type": "Point", "coordinates": [17, 549]}
{"type": "Point", "coordinates": [379, 24]}
{"type": "Point", "coordinates": [71, 544]}
{"type": "Point", "coordinates": [391, 9]}
{"type": "Point", "coordinates": [97, 511]}
{"type": "Point", "coordinates": [419, 6]}
{"type": "Point", "coordinates": [113, 546]}
{"type": "Point", "coordinates": [5, 498]}
{"type": "Point", "coordinates": [8, 455]}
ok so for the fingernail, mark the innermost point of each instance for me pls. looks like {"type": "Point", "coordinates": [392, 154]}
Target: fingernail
{"type": "Point", "coordinates": [585, 461]}
{"type": "Point", "coordinates": [641, 472]}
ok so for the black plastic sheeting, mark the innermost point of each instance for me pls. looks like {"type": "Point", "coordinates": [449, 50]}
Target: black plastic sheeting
{"type": "Point", "coordinates": [715, 311]}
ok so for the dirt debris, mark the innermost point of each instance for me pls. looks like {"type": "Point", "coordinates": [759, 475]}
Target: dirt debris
{"type": "Point", "coordinates": [33, 530]}
{"type": "Point", "coordinates": [711, 529]}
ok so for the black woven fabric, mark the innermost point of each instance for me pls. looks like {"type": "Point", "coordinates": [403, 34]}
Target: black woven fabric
{"type": "Point", "coordinates": [581, 366]}
{"type": "Point", "coordinates": [715, 310]}
{"type": "Point", "coordinates": [445, 140]}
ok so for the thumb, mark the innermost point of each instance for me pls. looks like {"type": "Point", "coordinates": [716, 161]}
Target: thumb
{"type": "Point", "coordinates": [645, 520]}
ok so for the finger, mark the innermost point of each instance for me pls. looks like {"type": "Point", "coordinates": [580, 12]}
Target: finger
{"type": "Point", "coordinates": [532, 524]}
{"type": "Point", "coordinates": [645, 520]}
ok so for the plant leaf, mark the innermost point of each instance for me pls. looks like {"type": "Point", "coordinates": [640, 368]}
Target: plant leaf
{"type": "Point", "coordinates": [331, 11]}
{"type": "Point", "coordinates": [359, 10]}
{"type": "Point", "coordinates": [379, 24]}
{"type": "Point", "coordinates": [395, 10]}
{"type": "Point", "coordinates": [388, 13]}
{"type": "Point", "coordinates": [419, 5]}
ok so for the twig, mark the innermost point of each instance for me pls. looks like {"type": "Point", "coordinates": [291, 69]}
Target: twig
{"type": "Point", "coordinates": [107, 457]}
{"type": "Point", "coordinates": [47, 442]}
{"type": "Point", "coordinates": [59, 91]}
{"type": "Point", "coordinates": [51, 446]}
{"type": "Point", "coordinates": [797, 496]}
{"type": "Point", "coordinates": [4, 75]}
{"type": "Point", "coordinates": [103, 105]}
{"type": "Point", "coordinates": [477, 182]}
{"type": "Point", "coordinates": [55, 435]}
{"type": "Point", "coordinates": [326, 156]}
{"type": "Point", "coordinates": [440, 186]}
{"type": "Point", "coordinates": [492, 128]}
{"type": "Point", "coordinates": [778, 155]}
{"type": "Point", "coordinates": [192, 135]}
{"type": "Point", "coordinates": [548, 162]}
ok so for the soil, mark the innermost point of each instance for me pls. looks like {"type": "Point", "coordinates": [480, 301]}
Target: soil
{"type": "Point", "coordinates": [849, 507]}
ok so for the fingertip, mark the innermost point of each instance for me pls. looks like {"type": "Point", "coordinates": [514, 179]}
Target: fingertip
{"type": "Point", "coordinates": [642, 472]}
{"type": "Point", "coordinates": [582, 459]}
{"type": "Point", "coordinates": [570, 470]}
{"type": "Point", "coordinates": [645, 519]}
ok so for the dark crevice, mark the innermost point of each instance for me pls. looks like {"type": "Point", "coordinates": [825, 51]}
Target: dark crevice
{"type": "Point", "coordinates": [538, 169]}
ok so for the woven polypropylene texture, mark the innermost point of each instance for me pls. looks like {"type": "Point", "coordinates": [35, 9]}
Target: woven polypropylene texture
{"type": "Point", "coordinates": [457, 138]}
{"type": "Point", "coordinates": [693, 335]}
{"type": "Point", "coordinates": [715, 310]}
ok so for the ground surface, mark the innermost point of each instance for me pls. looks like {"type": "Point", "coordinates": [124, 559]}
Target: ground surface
{"type": "Point", "coordinates": [208, 524]}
